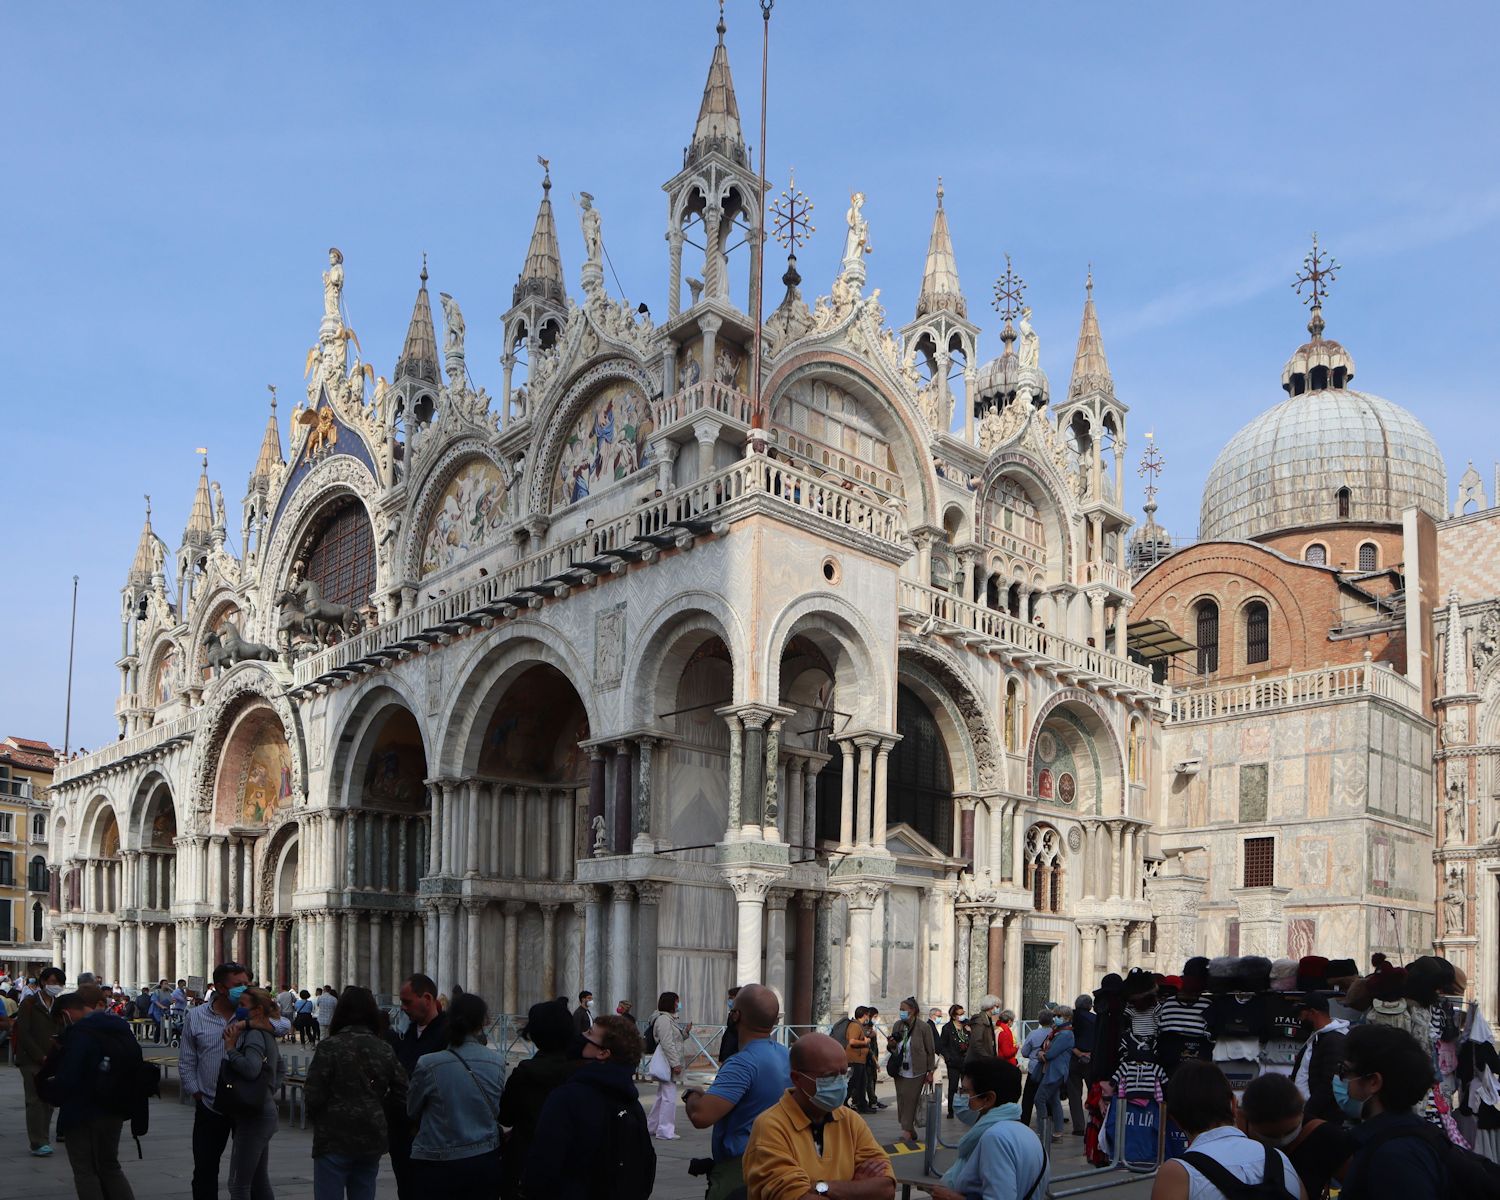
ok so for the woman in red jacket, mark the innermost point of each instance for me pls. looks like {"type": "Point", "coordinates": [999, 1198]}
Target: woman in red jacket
{"type": "Point", "coordinates": [1006, 1037]}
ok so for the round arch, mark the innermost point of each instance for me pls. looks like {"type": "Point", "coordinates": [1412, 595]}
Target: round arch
{"type": "Point", "coordinates": [433, 492]}
{"type": "Point", "coordinates": [152, 799]}
{"type": "Point", "coordinates": [1083, 737]}
{"type": "Point", "coordinates": [957, 704]}
{"type": "Point", "coordinates": [245, 685]}
{"type": "Point", "coordinates": [669, 637]}
{"type": "Point", "coordinates": [486, 675]}
{"type": "Point", "coordinates": [1041, 485]}
{"type": "Point", "coordinates": [581, 392]}
{"type": "Point", "coordinates": [100, 829]}
{"type": "Point", "coordinates": [359, 728]}
{"type": "Point", "coordinates": [843, 633]}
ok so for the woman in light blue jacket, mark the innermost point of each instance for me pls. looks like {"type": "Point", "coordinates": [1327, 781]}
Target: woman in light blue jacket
{"type": "Point", "coordinates": [999, 1158]}
{"type": "Point", "coordinates": [455, 1098]}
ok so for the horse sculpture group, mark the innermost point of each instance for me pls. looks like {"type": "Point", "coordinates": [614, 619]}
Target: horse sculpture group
{"type": "Point", "coordinates": [227, 648]}
{"type": "Point", "coordinates": [305, 614]}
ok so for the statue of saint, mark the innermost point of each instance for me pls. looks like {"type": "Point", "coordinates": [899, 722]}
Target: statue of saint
{"type": "Point", "coordinates": [218, 494]}
{"type": "Point", "coordinates": [453, 322]}
{"type": "Point", "coordinates": [333, 283]}
{"type": "Point", "coordinates": [857, 242]}
{"type": "Point", "coordinates": [593, 236]}
{"type": "Point", "coordinates": [1030, 345]}
{"type": "Point", "coordinates": [1454, 902]}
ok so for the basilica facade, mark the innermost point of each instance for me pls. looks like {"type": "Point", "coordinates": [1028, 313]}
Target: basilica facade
{"type": "Point", "coordinates": [697, 655]}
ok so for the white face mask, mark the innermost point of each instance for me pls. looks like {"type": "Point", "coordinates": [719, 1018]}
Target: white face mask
{"type": "Point", "coordinates": [1285, 1140]}
{"type": "Point", "coordinates": [54, 990]}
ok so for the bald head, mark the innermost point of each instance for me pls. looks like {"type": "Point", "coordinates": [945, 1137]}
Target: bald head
{"type": "Point", "coordinates": [817, 1054]}
{"type": "Point", "coordinates": [758, 1007]}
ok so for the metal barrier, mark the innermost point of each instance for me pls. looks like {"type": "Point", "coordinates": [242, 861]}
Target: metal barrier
{"type": "Point", "coordinates": [1132, 1172]}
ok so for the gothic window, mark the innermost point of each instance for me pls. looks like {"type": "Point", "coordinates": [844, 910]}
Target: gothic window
{"type": "Point", "coordinates": [1257, 632]}
{"type": "Point", "coordinates": [36, 922]}
{"type": "Point", "coordinates": [341, 558]}
{"type": "Point", "coordinates": [1317, 554]}
{"type": "Point", "coordinates": [919, 791]}
{"type": "Point", "coordinates": [1012, 715]}
{"type": "Point", "coordinates": [1342, 498]}
{"type": "Point", "coordinates": [1044, 872]}
{"type": "Point", "coordinates": [39, 827]}
{"type": "Point", "coordinates": [1208, 637]}
{"type": "Point", "coordinates": [1260, 862]}
{"type": "Point", "coordinates": [1369, 557]}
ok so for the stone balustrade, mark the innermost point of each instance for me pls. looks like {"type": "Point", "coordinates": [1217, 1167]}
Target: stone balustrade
{"type": "Point", "coordinates": [1303, 688]}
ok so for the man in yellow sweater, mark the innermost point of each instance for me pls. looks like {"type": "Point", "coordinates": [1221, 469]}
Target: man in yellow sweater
{"type": "Point", "coordinates": [808, 1145]}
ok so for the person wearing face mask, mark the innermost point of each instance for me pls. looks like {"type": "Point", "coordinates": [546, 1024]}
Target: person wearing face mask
{"type": "Point", "coordinates": [730, 1042]}
{"type": "Point", "coordinates": [199, 1058]}
{"type": "Point", "coordinates": [1272, 1113]}
{"type": "Point", "coordinates": [809, 1143]}
{"type": "Point", "coordinates": [591, 1138]}
{"type": "Point", "coordinates": [913, 1064]}
{"type": "Point", "coordinates": [1318, 1060]}
{"type": "Point", "coordinates": [1030, 1054]}
{"type": "Point", "coordinates": [982, 1036]}
{"type": "Point", "coordinates": [583, 1015]}
{"type": "Point", "coordinates": [1057, 1056]}
{"type": "Point", "coordinates": [953, 1045]}
{"type": "Point", "coordinates": [666, 1066]}
{"type": "Point", "coordinates": [250, 1053]}
{"type": "Point", "coordinates": [998, 1158]}
{"type": "Point", "coordinates": [1386, 1072]}
{"type": "Point", "coordinates": [35, 1028]}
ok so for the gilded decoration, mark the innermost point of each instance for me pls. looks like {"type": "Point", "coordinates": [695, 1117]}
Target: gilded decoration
{"type": "Point", "coordinates": [609, 441]}
{"type": "Point", "coordinates": [466, 516]}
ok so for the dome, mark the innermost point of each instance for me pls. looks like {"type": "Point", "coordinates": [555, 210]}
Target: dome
{"type": "Point", "coordinates": [1286, 468]}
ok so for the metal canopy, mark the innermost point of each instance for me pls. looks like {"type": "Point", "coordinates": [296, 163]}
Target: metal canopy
{"type": "Point", "coordinates": [1155, 639]}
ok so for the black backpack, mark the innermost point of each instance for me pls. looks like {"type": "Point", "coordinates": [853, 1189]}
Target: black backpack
{"type": "Point", "coordinates": [1272, 1185]}
{"type": "Point", "coordinates": [1469, 1174]}
{"type": "Point", "coordinates": [125, 1081]}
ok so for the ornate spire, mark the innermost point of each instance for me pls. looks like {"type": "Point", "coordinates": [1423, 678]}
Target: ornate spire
{"type": "Point", "coordinates": [270, 460]}
{"type": "Point", "coordinates": [718, 125]}
{"type": "Point", "coordinates": [149, 554]}
{"type": "Point", "coordinates": [1090, 368]}
{"type": "Point", "coordinates": [200, 523]}
{"type": "Point", "coordinates": [543, 273]}
{"type": "Point", "coordinates": [419, 356]}
{"type": "Point", "coordinates": [940, 288]}
{"type": "Point", "coordinates": [1455, 659]}
{"type": "Point", "coordinates": [1318, 271]}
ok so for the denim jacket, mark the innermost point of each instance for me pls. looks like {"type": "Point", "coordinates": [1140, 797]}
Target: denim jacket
{"type": "Point", "coordinates": [458, 1113]}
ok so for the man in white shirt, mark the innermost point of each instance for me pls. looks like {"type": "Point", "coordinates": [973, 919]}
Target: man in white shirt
{"type": "Point", "coordinates": [325, 1004]}
{"type": "Point", "coordinates": [287, 1002]}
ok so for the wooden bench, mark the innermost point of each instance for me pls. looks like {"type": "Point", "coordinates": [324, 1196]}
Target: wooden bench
{"type": "Point", "coordinates": [294, 1090]}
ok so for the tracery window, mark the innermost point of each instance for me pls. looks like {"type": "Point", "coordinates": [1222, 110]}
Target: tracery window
{"type": "Point", "coordinates": [1044, 872]}
{"type": "Point", "coordinates": [341, 559]}
{"type": "Point", "coordinates": [1207, 637]}
{"type": "Point", "coordinates": [1369, 557]}
{"type": "Point", "coordinates": [1257, 632]}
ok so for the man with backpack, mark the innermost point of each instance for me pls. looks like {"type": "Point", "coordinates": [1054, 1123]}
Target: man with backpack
{"type": "Point", "coordinates": [100, 1081]}
{"type": "Point", "coordinates": [1221, 1160]}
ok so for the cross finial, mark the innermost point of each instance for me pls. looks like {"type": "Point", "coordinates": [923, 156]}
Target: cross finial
{"type": "Point", "coordinates": [721, 27]}
{"type": "Point", "coordinates": [1318, 271]}
{"type": "Point", "coordinates": [1010, 291]}
{"type": "Point", "coordinates": [423, 276]}
{"type": "Point", "coordinates": [792, 215]}
{"type": "Point", "coordinates": [1089, 284]}
{"type": "Point", "coordinates": [1151, 464]}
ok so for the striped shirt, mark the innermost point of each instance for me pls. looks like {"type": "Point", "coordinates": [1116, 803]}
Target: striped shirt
{"type": "Point", "coordinates": [1185, 1019]}
{"type": "Point", "coordinates": [1144, 1023]}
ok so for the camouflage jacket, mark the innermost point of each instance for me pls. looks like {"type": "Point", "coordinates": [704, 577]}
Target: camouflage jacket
{"type": "Point", "coordinates": [353, 1081]}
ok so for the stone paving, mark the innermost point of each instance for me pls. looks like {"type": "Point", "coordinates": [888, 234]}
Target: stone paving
{"type": "Point", "coordinates": [166, 1169]}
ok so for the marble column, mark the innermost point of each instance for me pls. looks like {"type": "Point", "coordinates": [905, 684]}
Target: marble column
{"type": "Point", "coordinates": [822, 991]}
{"type": "Point", "coordinates": [112, 955]}
{"type": "Point", "coordinates": [352, 973]}
{"type": "Point", "coordinates": [447, 932]}
{"type": "Point", "coordinates": [775, 977]}
{"type": "Point", "coordinates": [862, 808]}
{"type": "Point", "coordinates": [996, 956]}
{"type": "Point", "coordinates": [549, 950]}
{"type": "Point", "coordinates": [473, 927]}
{"type": "Point", "coordinates": [128, 976]}
{"type": "Point", "coordinates": [592, 917]}
{"type": "Point", "coordinates": [810, 807]}
{"type": "Point", "coordinates": [624, 808]}
{"type": "Point", "coordinates": [771, 827]}
{"type": "Point", "coordinates": [262, 972]}
{"type": "Point", "coordinates": [979, 956]}
{"type": "Point", "coordinates": [996, 806]}
{"type": "Point", "coordinates": [794, 802]}
{"type": "Point", "coordinates": [800, 1008]}
{"type": "Point", "coordinates": [960, 982]}
{"type": "Point", "coordinates": [861, 903]}
{"type": "Point", "coordinates": [619, 948]}
{"type": "Point", "coordinates": [966, 807]}
{"type": "Point", "coordinates": [846, 800]}
{"type": "Point", "coordinates": [645, 763]}
{"type": "Point", "coordinates": [1115, 955]}
{"type": "Point", "coordinates": [753, 790]}
{"type": "Point", "coordinates": [647, 933]}
{"type": "Point", "coordinates": [1012, 980]}
{"type": "Point", "coordinates": [736, 773]}
{"type": "Point", "coordinates": [882, 757]}
{"type": "Point", "coordinates": [376, 974]}
{"type": "Point", "coordinates": [750, 888]}
{"type": "Point", "coordinates": [1088, 956]}
{"type": "Point", "coordinates": [596, 801]}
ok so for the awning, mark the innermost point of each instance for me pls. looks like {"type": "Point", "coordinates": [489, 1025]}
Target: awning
{"type": "Point", "coordinates": [1155, 639]}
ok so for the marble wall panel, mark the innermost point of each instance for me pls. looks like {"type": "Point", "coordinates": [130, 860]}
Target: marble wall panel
{"type": "Point", "coordinates": [697, 796]}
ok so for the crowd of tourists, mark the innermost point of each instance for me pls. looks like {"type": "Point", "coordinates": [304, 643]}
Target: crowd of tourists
{"type": "Point", "coordinates": [1250, 1077]}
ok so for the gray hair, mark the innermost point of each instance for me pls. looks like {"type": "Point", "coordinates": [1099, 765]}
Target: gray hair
{"type": "Point", "coordinates": [1006, 1017]}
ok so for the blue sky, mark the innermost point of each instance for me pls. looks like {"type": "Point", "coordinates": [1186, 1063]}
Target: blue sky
{"type": "Point", "coordinates": [176, 173]}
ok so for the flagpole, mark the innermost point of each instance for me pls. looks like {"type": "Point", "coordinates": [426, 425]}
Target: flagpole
{"type": "Point", "coordinates": [758, 412]}
{"type": "Point", "coordinates": [68, 710]}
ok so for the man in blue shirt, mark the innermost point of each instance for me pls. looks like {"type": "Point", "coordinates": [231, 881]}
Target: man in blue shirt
{"type": "Point", "coordinates": [1085, 1024]}
{"type": "Point", "coordinates": [746, 1086]}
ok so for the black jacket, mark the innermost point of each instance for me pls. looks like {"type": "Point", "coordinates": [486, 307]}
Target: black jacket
{"type": "Point", "coordinates": [583, 1020]}
{"type": "Point", "coordinates": [1327, 1055]}
{"type": "Point", "coordinates": [409, 1047]}
{"type": "Point", "coordinates": [526, 1091]}
{"type": "Point", "coordinates": [591, 1138]}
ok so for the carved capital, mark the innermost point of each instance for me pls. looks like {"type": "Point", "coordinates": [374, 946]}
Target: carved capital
{"type": "Point", "coordinates": [621, 893]}
{"type": "Point", "coordinates": [750, 884]}
{"type": "Point", "coordinates": [447, 905]}
{"type": "Point", "coordinates": [863, 895]}
{"type": "Point", "coordinates": [778, 897]}
{"type": "Point", "coordinates": [648, 891]}
{"type": "Point", "coordinates": [807, 899]}
{"type": "Point", "coordinates": [513, 908]}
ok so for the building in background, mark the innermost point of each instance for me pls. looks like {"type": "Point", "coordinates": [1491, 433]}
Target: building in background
{"type": "Point", "coordinates": [26, 769]}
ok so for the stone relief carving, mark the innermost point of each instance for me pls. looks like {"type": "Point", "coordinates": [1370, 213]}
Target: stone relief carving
{"type": "Point", "coordinates": [1487, 639]}
{"type": "Point", "coordinates": [609, 647]}
{"type": "Point", "coordinates": [1455, 901]}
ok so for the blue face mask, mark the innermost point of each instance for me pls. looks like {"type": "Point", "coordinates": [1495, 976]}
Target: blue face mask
{"type": "Point", "coordinates": [1348, 1105]}
{"type": "Point", "coordinates": [236, 992]}
{"type": "Point", "coordinates": [1059, 1022]}
{"type": "Point", "coordinates": [831, 1091]}
{"type": "Point", "coordinates": [242, 1014]}
{"type": "Point", "coordinates": [965, 1114]}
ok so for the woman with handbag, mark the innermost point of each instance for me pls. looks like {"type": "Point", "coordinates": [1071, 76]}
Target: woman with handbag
{"type": "Point", "coordinates": [355, 1088]}
{"type": "Point", "coordinates": [247, 1090]}
{"type": "Point", "coordinates": [953, 1046]}
{"type": "Point", "coordinates": [455, 1097]}
{"type": "Point", "coordinates": [666, 1066]}
{"type": "Point", "coordinates": [912, 1065]}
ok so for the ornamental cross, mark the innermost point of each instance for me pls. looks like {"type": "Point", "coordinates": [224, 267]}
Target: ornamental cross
{"type": "Point", "coordinates": [1010, 290]}
{"type": "Point", "coordinates": [792, 211]}
{"type": "Point", "coordinates": [1318, 271]}
{"type": "Point", "coordinates": [1151, 464]}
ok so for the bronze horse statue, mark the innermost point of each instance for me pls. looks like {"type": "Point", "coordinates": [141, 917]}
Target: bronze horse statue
{"type": "Point", "coordinates": [304, 611]}
{"type": "Point", "coordinates": [227, 648]}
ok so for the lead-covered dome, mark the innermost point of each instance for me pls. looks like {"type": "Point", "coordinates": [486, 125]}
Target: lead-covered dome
{"type": "Point", "coordinates": [1291, 465]}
